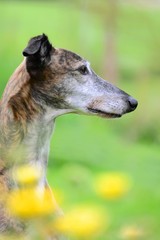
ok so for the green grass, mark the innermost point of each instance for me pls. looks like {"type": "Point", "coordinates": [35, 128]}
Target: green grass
{"type": "Point", "coordinates": [84, 146]}
{"type": "Point", "coordinates": [82, 150]}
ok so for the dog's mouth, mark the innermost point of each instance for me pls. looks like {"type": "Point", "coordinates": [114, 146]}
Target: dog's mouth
{"type": "Point", "coordinates": [103, 113]}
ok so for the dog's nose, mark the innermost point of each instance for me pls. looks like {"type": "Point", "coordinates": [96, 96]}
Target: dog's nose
{"type": "Point", "coordinates": [132, 103]}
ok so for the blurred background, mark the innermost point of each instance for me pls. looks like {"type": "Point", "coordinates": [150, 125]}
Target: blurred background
{"type": "Point", "coordinates": [121, 39]}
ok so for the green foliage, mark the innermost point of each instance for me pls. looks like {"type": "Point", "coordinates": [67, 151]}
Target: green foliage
{"type": "Point", "coordinates": [83, 146]}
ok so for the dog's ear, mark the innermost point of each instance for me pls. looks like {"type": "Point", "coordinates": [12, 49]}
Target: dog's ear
{"type": "Point", "coordinates": [38, 45]}
{"type": "Point", "coordinates": [38, 52]}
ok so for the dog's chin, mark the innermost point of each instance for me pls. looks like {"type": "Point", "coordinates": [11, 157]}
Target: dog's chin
{"type": "Point", "coordinates": [103, 114]}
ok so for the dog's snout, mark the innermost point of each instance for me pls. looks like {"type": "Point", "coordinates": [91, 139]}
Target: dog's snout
{"type": "Point", "coordinates": [133, 103]}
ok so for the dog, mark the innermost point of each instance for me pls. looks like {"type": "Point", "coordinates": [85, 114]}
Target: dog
{"type": "Point", "coordinates": [48, 83]}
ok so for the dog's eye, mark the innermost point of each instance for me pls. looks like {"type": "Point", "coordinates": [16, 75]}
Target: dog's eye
{"type": "Point", "coordinates": [83, 70]}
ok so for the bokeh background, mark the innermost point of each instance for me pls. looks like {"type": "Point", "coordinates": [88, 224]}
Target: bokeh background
{"type": "Point", "coordinates": [121, 39]}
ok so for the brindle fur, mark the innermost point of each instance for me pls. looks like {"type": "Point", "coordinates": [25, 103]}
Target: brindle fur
{"type": "Point", "coordinates": [48, 83]}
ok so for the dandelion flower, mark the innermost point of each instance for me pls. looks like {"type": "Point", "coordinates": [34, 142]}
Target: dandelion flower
{"type": "Point", "coordinates": [27, 174]}
{"type": "Point", "coordinates": [112, 185]}
{"type": "Point", "coordinates": [81, 222]}
{"type": "Point", "coordinates": [29, 203]}
{"type": "Point", "coordinates": [131, 233]}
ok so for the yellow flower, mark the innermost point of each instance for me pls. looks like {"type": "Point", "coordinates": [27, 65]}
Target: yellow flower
{"type": "Point", "coordinates": [131, 232]}
{"type": "Point", "coordinates": [112, 185]}
{"type": "Point", "coordinates": [29, 203]}
{"type": "Point", "coordinates": [27, 174]}
{"type": "Point", "coordinates": [81, 222]}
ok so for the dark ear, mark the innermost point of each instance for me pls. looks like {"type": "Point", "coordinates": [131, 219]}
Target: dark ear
{"type": "Point", "coordinates": [37, 52]}
{"type": "Point", "coordinates": [38, 45]}
{"type": "Point", "coordinates": [33, 46]}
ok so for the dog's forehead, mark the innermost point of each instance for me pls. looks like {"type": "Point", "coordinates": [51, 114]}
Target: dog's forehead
{"type": "Point", "coordinates": [67, 59]}
{"type": "Point", "coordinates": [70, 55]}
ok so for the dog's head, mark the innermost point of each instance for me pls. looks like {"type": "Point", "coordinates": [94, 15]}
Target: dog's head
{"type": "Point", "coordinates": [63, 80]}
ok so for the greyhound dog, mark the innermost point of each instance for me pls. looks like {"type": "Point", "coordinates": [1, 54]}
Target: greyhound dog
{"type": "Point", "coordinates": [48, 83]}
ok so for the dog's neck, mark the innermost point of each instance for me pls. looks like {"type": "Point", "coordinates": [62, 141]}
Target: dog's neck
{"type": "Point", "coordinates": [37, 139]}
